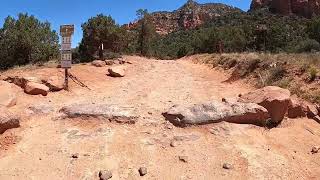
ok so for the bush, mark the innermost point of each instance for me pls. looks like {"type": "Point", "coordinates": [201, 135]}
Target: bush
{"type": "Point", "coordinates": [27, 40]}
{"type": "Point", "coordinates": [313, 74]}
{"type": "Point", "coordinates": [308, 45]}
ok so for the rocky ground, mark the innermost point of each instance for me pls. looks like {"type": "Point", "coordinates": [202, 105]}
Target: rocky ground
{"type": "Point", "coordinates": [116, 127]}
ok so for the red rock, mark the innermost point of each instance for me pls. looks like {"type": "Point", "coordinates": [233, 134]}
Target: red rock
{"type": "Point", "coordinates": [117, 71]}
{"type": "Point", "coordinates": [215, 112]}
{"type": "Point", "coordinates": [296, 108]}
{"type": "Point", "coordinates": [310, 109]}
{"type": "Point", "coordinates": [275, 99]}
{"type": "Point", "coordinates": [305, 8]}
{"type": "Point", "coordinates": [55, 83]}
{"type": "Point", "coordinates": [8, 96]}
{"type": "Point", "coordinates": [33, 88]}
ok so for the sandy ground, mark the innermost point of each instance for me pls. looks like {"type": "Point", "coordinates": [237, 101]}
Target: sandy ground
{"type": "Point", "coordinates": [43, 146]}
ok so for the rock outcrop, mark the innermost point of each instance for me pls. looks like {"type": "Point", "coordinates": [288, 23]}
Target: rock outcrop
{"type": "Point", "coordinates": [275, 99]}
{"type": "Point", "coordinates": [189, 16]}
{"type": "Point", "coordinates": [102, 111]}
{"type": "Point", "coordinates": [214, 112]}
{"type": "Point", "coordinates": [305, 8]}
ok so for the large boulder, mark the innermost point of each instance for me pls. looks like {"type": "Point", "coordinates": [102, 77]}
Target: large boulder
{"type": "Point", "coordinates": [33, 88]}
{"type": "Point", "coordinates": [214, 112]}
{"type": "Point", "coordinates": [117, 71]}
{"type": "Point", "coordinates": [101, 111]}
{"type": "Point", "coordinates": [98, 63]}
{"type": "Point", "coordinates": [8, 96]}
{"type": "Point", "coordinates": [55, 83]}
{"type": "Point", "coordinates": [8, 120]}
{"type": "Point", "coordinates": [275, 99]}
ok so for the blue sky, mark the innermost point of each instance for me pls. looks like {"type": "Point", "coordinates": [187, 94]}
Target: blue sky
{"type": "Point", "coordinates": [76, 12]}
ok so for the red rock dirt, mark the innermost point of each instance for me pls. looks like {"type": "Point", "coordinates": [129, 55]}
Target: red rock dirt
{"type": "Point", "coordinates": [43, 146]}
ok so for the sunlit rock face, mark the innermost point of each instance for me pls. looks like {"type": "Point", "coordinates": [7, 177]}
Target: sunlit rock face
{"type": "Point", "coordinates": [305, 8]}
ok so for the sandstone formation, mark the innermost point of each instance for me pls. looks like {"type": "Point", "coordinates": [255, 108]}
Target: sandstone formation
{"type": "Point", "coordinates": [102, 111]}
{"type": "Point", "coordinates": [189, 16]}
{"type": "Point", "coordinates": [305, 8]}
{"type": "Point", "coordinates": [275, 99]}
{"type": "Point", "coordinates": [33, 88]}
{"type": "Point", "coordinates": [214, 112]}
{"type": "Point", "coordinates": [8, 96]}
{"type": "Point", "coordinates": [8, 120]}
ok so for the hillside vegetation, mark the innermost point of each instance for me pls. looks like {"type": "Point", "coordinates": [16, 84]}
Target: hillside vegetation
{"type": "Point", "coordinates": [27, 40]}
{"type": "Point", "coordinates": [297, 72]}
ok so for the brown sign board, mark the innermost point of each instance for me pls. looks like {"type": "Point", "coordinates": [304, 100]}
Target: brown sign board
{"type": "Point", "coordinates": [66, 30]}
{"type": "Point", "coordinates": [66, 64]}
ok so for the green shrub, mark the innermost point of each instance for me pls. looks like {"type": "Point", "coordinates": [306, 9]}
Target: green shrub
{"type": "Point", "coordinates": [313, 74]}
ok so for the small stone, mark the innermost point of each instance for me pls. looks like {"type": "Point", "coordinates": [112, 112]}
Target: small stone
{"type": "Point", "coordinates": [75, 156]}
{"type": "Point", "coordinates": [169, 126]}
{"type": "Point", "coordinates": [227, 166]}
{"type": "Point", "coordinates": [183, 159]}
{"type": "Point", "coordinates": [143, 171]}
{"type": "Point", "coordinates": [105, 174]}
{"type": "Point", "coordinates": [224, 100]}
{"type": "Point", "coordinates": [315, 149]}
{"type": "Point", "coordinates": [174, 143]}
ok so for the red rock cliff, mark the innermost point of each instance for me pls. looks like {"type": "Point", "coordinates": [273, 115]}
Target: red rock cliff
{"type": "Point", "coordinates": [306, 8]}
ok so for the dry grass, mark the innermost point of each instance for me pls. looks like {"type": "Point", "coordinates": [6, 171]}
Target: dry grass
{"type": "Point", "coordinates": [296, 72]}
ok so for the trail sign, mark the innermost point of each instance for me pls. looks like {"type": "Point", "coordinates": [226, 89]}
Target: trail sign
{"type": "Point", "coordinates": [66, 32]}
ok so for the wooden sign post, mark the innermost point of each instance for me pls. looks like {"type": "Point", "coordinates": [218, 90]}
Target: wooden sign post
{"type": "Point", "coordinates": [66, 32]}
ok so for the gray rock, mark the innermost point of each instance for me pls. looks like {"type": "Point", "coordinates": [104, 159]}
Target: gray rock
{"type": "Point", "coordinates": [41, 108]}
{"type": "Point", "coordinates": [214, 112]}
{"type": "Point", "coordinates": [8, 120]}
{"type": "Point", "coordinates": [143, 171]}
{"type": "Point", "coordinates": [112, 113]}
{"type": "Point", "coordinates": [105, 174]}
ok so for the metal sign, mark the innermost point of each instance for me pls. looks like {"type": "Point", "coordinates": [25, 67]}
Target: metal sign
{"type": "Point", "coordinates": [66, 64]}
{"type": "Point", "coordinates": [66, 47]}
{"type": "Point", "coordinates": [66, 30]}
